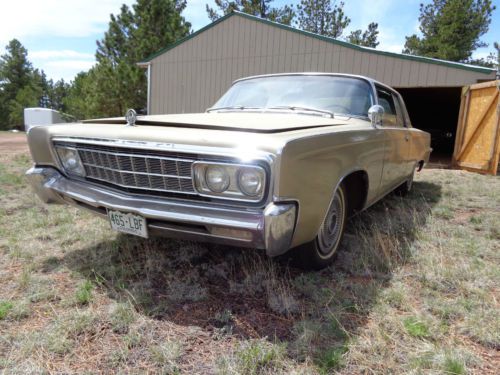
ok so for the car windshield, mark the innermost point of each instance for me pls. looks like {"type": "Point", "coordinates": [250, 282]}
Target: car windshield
{"type": "Point", "coordinates": [304, 93]}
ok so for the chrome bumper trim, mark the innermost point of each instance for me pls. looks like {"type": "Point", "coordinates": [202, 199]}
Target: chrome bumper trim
{"type": "Point", "coordinates": [271, 228]}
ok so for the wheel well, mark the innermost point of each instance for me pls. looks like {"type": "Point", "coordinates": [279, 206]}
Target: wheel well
{"type": "Point", "coordinates": [356, 187]}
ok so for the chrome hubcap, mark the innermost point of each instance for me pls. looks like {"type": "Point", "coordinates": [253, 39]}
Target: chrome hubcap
{"type": "Point", "coordinates": [331, 230]}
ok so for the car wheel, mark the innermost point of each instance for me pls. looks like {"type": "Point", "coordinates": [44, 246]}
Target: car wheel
{"type": "Point", "coordinates": [406, 186]}
{"type": "Point", "coordinates": [321, 252]}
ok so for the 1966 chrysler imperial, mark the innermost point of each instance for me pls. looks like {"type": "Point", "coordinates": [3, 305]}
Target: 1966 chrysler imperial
{"type": "Point", "coordinates": [279, 162]}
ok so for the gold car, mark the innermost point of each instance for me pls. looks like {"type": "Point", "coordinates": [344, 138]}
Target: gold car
{"type": "Point", "coordinates": [279, 162]}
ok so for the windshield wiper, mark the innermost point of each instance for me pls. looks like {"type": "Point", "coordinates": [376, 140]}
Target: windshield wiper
{"type": "Point", "coordinates": [240, 107]}
{"type": "Point", "coordinates": [307, 109]}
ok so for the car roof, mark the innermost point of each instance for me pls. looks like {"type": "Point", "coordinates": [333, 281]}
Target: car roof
{"type": "Point", "coordinates": [372, 81]}
{"type": "Point", "coordinates": [312, 74]}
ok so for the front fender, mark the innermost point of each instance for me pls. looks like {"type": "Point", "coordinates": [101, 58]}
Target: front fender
{"type": "Point", "coordinates": [311, 169]}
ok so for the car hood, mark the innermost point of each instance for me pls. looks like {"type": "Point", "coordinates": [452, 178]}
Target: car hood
{"type": "Point", "coordinates": [241, 121]}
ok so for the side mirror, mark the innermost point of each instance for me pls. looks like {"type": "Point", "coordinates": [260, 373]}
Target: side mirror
{"type": "Point", "coordinates": [375, 114]}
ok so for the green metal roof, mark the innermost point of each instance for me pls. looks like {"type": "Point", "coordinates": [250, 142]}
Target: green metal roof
{"type": "Point", "coordinates": [402, 56]}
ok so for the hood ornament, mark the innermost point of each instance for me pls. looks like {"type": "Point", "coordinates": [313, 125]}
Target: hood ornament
{"type": "Point", "coordinates": [131, 117]}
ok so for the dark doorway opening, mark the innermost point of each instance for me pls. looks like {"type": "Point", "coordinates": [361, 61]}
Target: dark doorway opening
{"type": "Point", "coordinates": [435, 110]}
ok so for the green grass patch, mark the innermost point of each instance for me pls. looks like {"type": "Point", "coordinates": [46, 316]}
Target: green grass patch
{"type": "Point", "coordinates": [255, 357]}
{"type": "Point", "coordinates": [416, 328]}
{"type": "Point", "coordinates": [332, 359]}
{"type": "Point", "coordinates": [5, 307]}
{"type": "Point", "coordinates": [166, 356]}
{"type": "Point", "coordinates": [83, 294]}
{"type": "Point", "coordinates": [454, 366]}
{"type": "Point", "coordinates": [9, 179]}
{"type": "Point", "coordinates": [121, 316]}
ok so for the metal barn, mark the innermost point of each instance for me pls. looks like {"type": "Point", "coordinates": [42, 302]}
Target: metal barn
{"type": "Point", "coordinates": [190, 75]}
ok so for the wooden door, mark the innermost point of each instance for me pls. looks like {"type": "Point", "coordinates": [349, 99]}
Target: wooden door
{"type": "Point", "coordinates": [477, 143]}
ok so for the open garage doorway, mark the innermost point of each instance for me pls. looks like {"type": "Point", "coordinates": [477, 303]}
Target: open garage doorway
{"type": "Point", "coordinates": [435, 110]}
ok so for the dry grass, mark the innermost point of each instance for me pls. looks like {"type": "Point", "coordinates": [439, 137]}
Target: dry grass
{"type": "Point", "coordinates": [414, 290]}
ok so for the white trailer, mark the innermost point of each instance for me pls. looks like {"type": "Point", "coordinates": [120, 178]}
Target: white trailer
{"type": "Point", "coordinates": [41, 116]}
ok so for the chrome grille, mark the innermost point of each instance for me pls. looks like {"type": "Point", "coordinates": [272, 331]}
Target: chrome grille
{"type": "Point", "coordinates": [137, 169]}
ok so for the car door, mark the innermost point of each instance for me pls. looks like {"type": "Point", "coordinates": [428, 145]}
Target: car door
{"type": "Point", "coordinates": [396, 140]}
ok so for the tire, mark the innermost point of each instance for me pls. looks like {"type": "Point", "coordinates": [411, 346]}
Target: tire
{"type": "Point", "coordinates": [406, 186]}
{"type": "Point", "coordinates": [321, 252]}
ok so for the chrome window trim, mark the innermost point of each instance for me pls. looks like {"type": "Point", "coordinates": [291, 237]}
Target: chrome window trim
{"type": "Point", "coordinates": [399, 111]}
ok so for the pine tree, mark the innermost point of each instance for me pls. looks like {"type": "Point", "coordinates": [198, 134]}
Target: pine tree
{"type": "Point", "coordinates": [367, 38]}
{"type": "Point", "coordinates": [259, 8]}
{"type": "Point", "coordinates": [322, 17]}
{"type": "Point", "coordinates": [58, 91]}
{"type": "Point", "coordinates": [19, 86]}
{"type": "Point", "coordinates": [80, 101]}
{"type": "Point", "coordinates": [451, 29]}
{"type": "Point", "coordinates": [46, 86]}
{"type": "Point", "coordinates": [132, 35]}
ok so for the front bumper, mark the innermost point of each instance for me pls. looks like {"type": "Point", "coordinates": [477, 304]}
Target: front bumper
{"type": "Point", "coordinates": [270, 228]}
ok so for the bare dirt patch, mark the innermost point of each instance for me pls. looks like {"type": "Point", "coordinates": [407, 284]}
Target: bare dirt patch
{"type": "Point", "coordinates": [12, 144]}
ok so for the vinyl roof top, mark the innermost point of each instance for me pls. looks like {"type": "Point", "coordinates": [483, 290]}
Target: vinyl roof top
{"type": "Point", "coordinates": [429, 60]}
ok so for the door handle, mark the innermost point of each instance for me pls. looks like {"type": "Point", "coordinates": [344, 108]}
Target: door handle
{"type": "Point", "coordinates": [407, 138]}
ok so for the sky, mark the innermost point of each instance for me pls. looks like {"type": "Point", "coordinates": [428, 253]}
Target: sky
{"type": "Point", "coordinates": [61, 35]}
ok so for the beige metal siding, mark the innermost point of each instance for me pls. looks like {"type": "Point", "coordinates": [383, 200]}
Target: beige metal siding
{"type": "Point", "coordinates": [194, 74]}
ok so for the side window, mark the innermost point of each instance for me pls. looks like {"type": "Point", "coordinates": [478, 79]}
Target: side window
{"type": "Point", "coordinates": [386, 100]}
{"type": "Point", "coordinates": [399, 111]}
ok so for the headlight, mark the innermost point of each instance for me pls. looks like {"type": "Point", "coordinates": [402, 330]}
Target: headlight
{"type": "Point", "coordinates": [70, 160]}
{"type": "Point", "coordinates": [230, 181]}
{"type": "Point", "coordinates": [250, 181]}
{"type": "Point", "coordinates": [217, 178]}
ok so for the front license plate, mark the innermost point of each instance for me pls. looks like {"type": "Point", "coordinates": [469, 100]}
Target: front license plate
{"type": "Point", "coordinates": [128, 223]}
